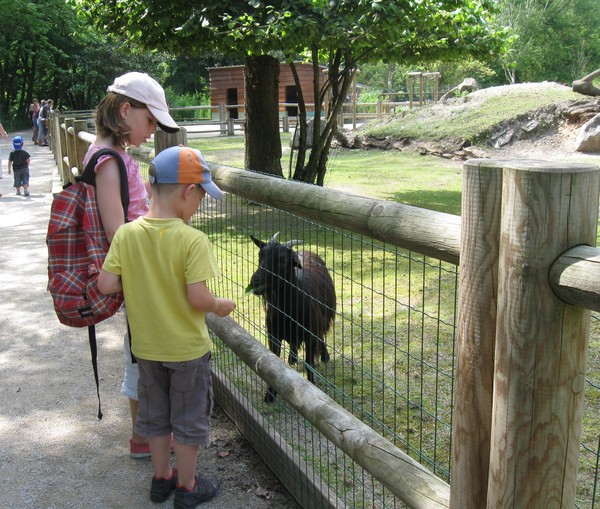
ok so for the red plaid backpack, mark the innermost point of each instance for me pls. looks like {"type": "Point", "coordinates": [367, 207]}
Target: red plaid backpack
{"type": "Point", "coordinates": [77, 247]}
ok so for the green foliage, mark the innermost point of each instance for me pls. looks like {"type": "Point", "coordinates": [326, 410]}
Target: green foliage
{"type": "Point", "coordinates": [555, 41]}
{"type": "Point", "coordinates": [339, 34]}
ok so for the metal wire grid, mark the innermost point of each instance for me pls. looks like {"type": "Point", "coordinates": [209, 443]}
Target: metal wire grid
{"type": "Point", "coordinates": [392, 348]}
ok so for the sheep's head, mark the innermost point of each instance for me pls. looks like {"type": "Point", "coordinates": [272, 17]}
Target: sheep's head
{"type": "Point", "coordinates": [276, 264]}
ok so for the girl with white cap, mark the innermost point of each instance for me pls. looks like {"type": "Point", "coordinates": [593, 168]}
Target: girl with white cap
{"type": "Point", "coordinates": [129, 114]}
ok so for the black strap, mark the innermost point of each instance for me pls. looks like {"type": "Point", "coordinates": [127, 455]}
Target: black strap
{"type": "Point", "coordinates": [89, 174]}
{"type": "Point", "coordinates": [133, 359]}
{"type": "Point", "coordinates": [94, 351]}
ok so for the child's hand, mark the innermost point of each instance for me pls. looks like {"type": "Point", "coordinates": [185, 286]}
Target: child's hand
{"type": "Point", "coordinates": [224, 307]}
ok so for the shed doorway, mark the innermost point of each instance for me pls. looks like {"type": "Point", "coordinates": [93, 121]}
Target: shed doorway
{"type": "Point", "coordinates": [291, 96]}
{"type": "Point", "coordinates": [232, 99]}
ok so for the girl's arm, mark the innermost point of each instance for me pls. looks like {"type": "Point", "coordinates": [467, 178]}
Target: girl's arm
{"type": "Point", "coordinates": [108, 190]}
{"type": "Point", "coordinates": [202, 299]}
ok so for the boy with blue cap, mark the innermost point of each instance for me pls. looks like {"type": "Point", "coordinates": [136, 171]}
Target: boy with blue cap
{"type": "Point", "coordinates": [18, 161]}
{"type": "Point", "coordinates": [161, 264]}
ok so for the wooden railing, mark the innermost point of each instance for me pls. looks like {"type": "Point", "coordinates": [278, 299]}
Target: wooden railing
{"type": "Point", "coordinates": [529, 273]}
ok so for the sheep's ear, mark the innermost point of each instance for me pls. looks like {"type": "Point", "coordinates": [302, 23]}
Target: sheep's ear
{"type": "Point", "coordinates": [260, 244]}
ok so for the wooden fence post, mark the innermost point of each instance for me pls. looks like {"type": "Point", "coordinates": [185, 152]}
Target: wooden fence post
{"type": "Point", "coordinates": [285, 122]}
{"type": "Point", "coordinates": [71, 149]}
{"type": "Point", "coordinates": [223, 116]}
{"type": "Point", "coordinates": [81, 146]}
{"type": "Point", "coordinates": [480, 229]}
{"type": "Point", "coordinates": [541, 342]}
{"type": "Point", "coordinates": [63, 170]}
{"type": "Point", "coordinates": [163, 140]}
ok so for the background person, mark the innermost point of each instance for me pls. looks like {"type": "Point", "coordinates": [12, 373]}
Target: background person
{"type": "Point", "coordinates": [41, 123]}
{"type": "Point", "coordinates": [4, 137]}
{"type": "Point", "coordinates": [34, 110]}
{"type": "Point", "coordinates": [18, 162]}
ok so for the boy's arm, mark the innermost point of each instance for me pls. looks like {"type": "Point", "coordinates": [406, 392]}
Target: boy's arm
{"type": "Point", "coordinates": [9, 166]}
{"type": "Point", "coordinates": [109, 283]}
{"type": "Point", "coordinates": [202, 299]}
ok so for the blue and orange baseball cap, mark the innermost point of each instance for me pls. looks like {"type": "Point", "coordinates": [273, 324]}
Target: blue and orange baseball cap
{"type": "Point", "coordinates": [182, 165]}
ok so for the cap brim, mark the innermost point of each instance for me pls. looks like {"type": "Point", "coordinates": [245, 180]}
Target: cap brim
{"type": "Point", "coordinates": [212, 190]}
{"type": "Point", "coordinates": [164, 120]}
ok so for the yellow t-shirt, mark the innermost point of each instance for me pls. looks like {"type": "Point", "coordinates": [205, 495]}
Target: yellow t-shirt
{"type": "Point", "coordinates": [157, 259]}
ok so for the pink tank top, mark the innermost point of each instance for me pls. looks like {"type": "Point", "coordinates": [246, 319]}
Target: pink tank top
{"type": "Point", "coordinates": [139, 202]}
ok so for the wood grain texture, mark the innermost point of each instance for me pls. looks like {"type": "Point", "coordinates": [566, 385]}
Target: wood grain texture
{"type": "Point", "coordinates": [541, 342]}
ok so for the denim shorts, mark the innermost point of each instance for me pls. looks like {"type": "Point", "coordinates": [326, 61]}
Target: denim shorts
{"type": "Point", "coordinates": [21, 177]}
{"type": "Point", "coordinates": [175, 397]}
{"type": "Point", "coordinates": [131, 376]}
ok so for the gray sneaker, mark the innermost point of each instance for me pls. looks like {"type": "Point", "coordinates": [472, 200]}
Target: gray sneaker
{"type": "Point", "coordinates": [26, 193]}
{"type": "Point", "coordinates": [204, 490]}
{"type": "Point", "coordinates": [161, 489]}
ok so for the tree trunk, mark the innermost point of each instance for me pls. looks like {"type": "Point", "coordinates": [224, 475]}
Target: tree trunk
{"type": "Point", "coordinates": [263, 143]}
{"type": "Point", "coordinates": [586, 86]}
{"type": "Point", "coordinates": [339, 79]}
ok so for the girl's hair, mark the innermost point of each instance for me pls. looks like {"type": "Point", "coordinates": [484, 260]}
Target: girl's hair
{"type": "Point", "coordinates": [109, 123]}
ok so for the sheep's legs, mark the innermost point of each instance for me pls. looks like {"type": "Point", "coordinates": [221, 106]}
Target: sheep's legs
{"type": "Point", "coordinates": [275, 347]}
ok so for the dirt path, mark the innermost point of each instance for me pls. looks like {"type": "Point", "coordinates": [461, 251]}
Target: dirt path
{"type": "Point", "coordinates": [55, 453]}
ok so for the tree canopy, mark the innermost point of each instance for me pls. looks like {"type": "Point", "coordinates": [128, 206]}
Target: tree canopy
{"type": "Point", "coordinates": [337, 33]}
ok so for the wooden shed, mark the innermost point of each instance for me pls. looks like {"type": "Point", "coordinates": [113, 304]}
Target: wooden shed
{"type": "Point", "coordinates": [227, 87]}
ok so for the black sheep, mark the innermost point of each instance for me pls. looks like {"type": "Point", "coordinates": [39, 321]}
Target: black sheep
{"type": "Point", "coordinates": [299, 300]}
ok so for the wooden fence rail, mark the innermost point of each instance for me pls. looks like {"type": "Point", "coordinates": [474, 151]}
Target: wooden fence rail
{"type": "Point", "coordinates": [529, 272]}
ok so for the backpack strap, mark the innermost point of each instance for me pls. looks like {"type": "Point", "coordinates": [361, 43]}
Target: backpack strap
{"type": "Point", "coordinates": [94, 351]}
{"type": "Point", "coordinates": [89, 177]}
{"type": "Point", "coordinates": [89, 174]}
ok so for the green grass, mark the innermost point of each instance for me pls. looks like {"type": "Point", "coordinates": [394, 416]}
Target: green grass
{"type": "Point", "coordinates": [467, 117]}
{"type": "Point", "coordinates": [403, 176]}
{"type": "Point", "coordinates": [423, 181]}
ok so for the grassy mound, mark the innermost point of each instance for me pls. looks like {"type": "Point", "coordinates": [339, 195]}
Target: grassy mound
{"type": "Point", "coordinates": [474, 116]}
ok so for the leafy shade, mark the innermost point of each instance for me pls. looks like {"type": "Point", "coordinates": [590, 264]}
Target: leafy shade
{"type": "Point", "coordinates": [370, 29]}
{"type": "Point", "coordinates": [338, 33]}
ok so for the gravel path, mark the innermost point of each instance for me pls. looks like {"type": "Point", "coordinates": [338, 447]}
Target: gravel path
{"type": "Point", "coordinates": [54, 452]}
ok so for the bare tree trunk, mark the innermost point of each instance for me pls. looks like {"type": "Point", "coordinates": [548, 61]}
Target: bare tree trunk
{"type": "Point", "coordinates": [338, 83]}
{"type": "Point", "coordinates": [586, 86]}
{"type": "Point", "coordinates": [263, 143]}
{"type": "Point", "coordinates": [301, 125]}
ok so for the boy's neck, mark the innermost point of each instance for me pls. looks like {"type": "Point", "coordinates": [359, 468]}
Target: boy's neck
{"type": "Point", "coordinates": [163, 208]}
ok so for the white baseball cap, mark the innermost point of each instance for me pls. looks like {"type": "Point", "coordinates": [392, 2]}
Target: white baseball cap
{"type": "Point", "coordinates": [143, 88]}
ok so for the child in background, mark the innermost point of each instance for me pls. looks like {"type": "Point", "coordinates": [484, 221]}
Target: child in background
{"type": "Point", "coordinates": [128, 115]}
{"type": "Point", "coordinates": [4, 137]}
{"type": "Point", "coordinates": [162, 265]}
{"type": "Point", "coordinates": [18, 161]}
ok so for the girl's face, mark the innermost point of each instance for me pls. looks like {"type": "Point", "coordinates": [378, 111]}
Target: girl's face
{"type": "Point", "coordinates": [141, 123]}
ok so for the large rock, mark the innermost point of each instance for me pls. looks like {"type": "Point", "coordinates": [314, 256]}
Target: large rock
{"type": "Point", "coordinates": [468, 85]}
{"type": "Point", "coordinates": [588, 139]}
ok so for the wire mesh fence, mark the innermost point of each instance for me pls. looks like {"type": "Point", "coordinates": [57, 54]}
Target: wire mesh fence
{"type": "Point", "coordinates": [391, 346]}
{"type": "Point", "coordinates": [392, 350]}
